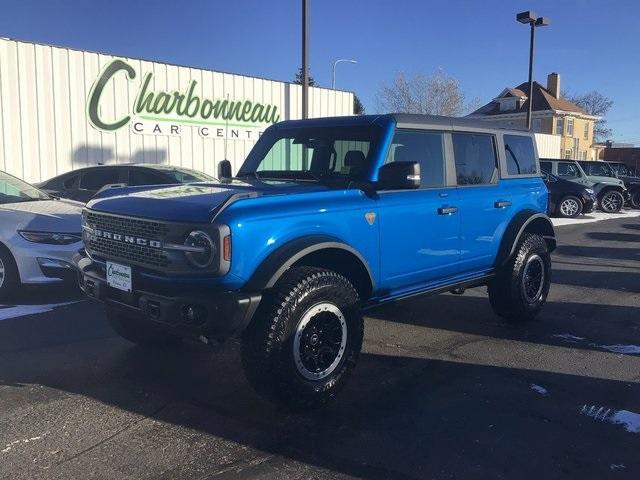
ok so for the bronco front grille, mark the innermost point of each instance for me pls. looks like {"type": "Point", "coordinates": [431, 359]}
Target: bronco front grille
{"type": "Point", "coordinates": [122, 238]}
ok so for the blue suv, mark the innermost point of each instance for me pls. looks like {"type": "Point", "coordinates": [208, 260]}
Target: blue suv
{"type": "Point", "coordinates": [326, 218]}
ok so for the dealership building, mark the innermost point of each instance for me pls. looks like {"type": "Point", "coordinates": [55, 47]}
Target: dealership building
{"type": "Point", "coordinates": [63, 109]}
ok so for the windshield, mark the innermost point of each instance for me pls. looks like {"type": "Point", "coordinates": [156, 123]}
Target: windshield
{"type": "Point", "coordinates": [184, 175]}
{"type": "Point", "coordinates": [13, 190]}
{"type": "Point", "coordinates": [317, 154]}
{"type": "Point", "coordinates": [600, 169]}
{"type": "Point", "coordinates": [621, 169]}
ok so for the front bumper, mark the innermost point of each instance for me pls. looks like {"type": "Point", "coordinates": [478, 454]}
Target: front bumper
{"type": "Point", "coordinates": [43, 263]}
{"type": "Point", "coordinates": [186, 311]}
{"type": "Point", "coordinates": [588, 203]}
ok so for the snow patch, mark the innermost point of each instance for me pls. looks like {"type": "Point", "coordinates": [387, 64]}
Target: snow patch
{"type": "Point", "coordinates": [569, 338]}
{"type": "Point", "coordinates": [629, 420]}
{"type": "Point", "coordinates": [539, 389]}
{"type": "Point", "coordinates": [594, 217]}
{"type": "Point", "coordinates": [630, 349]}
{"type": "Point", "coordinates": [14, 311]}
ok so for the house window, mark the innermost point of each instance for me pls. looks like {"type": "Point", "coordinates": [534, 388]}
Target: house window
{"type": "Point", "coordinates": [537, 125]}
{"type": "Point", "coordinates": [569, 127]}
{"type": "Point", "coordinates": [567, 154]}
{"type": "Point", "coordinates": [560, 126]}
{"type": "Point", "coordinates": [586, 131]}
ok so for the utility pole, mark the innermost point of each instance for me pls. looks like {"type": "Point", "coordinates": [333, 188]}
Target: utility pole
{"type": "Point", "coordinates": [305, 58]}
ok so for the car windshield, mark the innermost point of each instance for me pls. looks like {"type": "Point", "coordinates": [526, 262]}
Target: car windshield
{"type": "Point", "coordinates": [621, 169]}
{"type": "Point", "coordinates": [13, 190]}
{"type": "Point", "coordinates": [322, 154]}
{"type": "Point", "coordinates": [185, 175]}
{"type": "Point", "coordinates": [600, 169]}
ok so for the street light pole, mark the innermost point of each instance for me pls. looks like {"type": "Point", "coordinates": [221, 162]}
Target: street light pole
{"type": "Point", "coordinates": [333, 83]}
{"type": "Point", "coordinates": [305, 58]}
{"type": "Point", "coordinates": [530, 18]}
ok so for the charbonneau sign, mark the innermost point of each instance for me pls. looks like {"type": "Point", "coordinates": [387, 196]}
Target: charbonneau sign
{"type": "Point", "coordinates": [176, 107]}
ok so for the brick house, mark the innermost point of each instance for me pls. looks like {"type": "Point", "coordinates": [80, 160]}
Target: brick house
{"type": "Point", "coordinates": [551, 114]}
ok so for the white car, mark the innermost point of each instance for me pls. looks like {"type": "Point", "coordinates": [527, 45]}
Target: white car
{"type": "Point", "coordinates": [38, 236]}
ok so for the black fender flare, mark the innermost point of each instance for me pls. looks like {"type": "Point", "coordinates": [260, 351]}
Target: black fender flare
{"type": "Point", "coordinates": [280, 260]}
{"type": "Point", "coordinates": [520, 223]}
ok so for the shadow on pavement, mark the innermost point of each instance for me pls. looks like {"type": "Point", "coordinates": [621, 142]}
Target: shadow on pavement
{"type": "Point", "coordinates": [614, 236]}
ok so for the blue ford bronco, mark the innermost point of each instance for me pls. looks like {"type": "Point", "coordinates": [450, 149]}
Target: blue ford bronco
{"type": "Point", "coordinates": [326, 218]}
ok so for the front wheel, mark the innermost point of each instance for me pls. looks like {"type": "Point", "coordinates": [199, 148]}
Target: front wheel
{"type": "Point", "coordinates": [612, 202]}
{"type": "Point", "coordinates": [305, 339]}
{"type": "Point", "coordinates": [570, 207]}
{"type": "Point", "coordinates": [520, 287]}
{"type": "Point", "coordinates": [9, 277]}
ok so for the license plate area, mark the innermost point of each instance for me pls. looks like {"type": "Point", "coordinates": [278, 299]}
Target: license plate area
{"type": "Point", "coordinates": [119, 277]}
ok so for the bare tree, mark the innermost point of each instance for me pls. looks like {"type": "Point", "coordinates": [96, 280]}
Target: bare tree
{"type": "Point", "coordinates": [594, 103]}
{"type": "Point", "coordinates": [437, 94]}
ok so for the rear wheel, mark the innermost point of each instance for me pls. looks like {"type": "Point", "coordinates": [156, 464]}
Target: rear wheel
{"type": "Point", "coordinates": [635, 199]}
{"type": "Point", "coordinates": [570, 207]}
{"type": "Point", "coordinates": [9, 277]}
{"type": "Point", "coordinates": [520, 288]}
{"type": "Point", "coordinates": [140, 332]}
{"type": "Point", "coordinates": [305, 339]}
{"type": "Point", "coordinates": [611, 202]}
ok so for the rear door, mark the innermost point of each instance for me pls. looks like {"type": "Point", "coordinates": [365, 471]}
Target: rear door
{"type": "Point", "coordinates": [419, 229]}
{"type": "Point", "coordinates": [485, 203]}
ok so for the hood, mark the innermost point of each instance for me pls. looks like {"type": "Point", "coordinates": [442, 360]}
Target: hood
{"type": "Point", "coordinates": [44, 215]}
{"type": "Point", "coordinates": [195, 202]}
{"type": "Point", "coordinates": [606, 180]}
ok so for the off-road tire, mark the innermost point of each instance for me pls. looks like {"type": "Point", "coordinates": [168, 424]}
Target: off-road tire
{"type": "Point", "coordinates": [268, 343]}
{"type": "Point", "coordinates": [140, 332]}
{"type": "Point", "coordinates": [618, 201]}
{"type": "Point", "coordinates": [507, 292]}
{"type": "Point", "coordinates": [569, 207]}
{"type": "Point", "coordinates": [10, 280]}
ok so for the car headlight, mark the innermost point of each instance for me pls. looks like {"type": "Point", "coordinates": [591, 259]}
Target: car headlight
{"type": "Point", "coordinates": [200, 249]}
{"type": "Point", "coordinates": [50, 238]}
{"type": "Point", "coordinates": [590, 191]}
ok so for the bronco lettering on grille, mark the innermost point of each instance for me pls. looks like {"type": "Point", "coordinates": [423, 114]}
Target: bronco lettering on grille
{"type": "Point", "coordinates": [145, 242]}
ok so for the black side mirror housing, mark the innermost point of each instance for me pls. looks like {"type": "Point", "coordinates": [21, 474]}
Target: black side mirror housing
{"type": "Point", "coordinates": [399, 176]}
{"type": "Point", "coordinates": [224, 171]}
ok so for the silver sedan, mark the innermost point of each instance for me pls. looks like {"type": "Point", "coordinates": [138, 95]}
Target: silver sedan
{"type": "Point", "coordinates": [38, 236]}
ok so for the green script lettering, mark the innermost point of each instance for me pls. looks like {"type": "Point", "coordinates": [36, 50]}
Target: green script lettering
{"type": "Point", "coordinates": [96, 92]}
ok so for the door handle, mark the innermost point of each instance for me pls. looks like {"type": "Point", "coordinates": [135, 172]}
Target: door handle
{"type": "Point", "coordinates": [502, 204]}
{"type": "Point", "coordinates": [447, 210]}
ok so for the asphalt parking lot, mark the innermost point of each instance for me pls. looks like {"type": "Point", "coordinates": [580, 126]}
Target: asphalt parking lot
{"type": "Point", "coordinates": [443, 389]}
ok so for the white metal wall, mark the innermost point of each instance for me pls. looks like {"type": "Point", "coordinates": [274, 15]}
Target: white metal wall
{"type": "Point", "coordinates": [44, 130]}
{"type": "Point", "coordinates": [549, 146]}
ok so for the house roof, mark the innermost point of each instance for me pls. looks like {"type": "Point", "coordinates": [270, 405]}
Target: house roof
{"type": "Point", "coordinates": [542, 100]}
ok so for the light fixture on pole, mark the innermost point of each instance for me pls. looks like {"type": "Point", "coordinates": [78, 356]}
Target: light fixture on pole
{"type": "Point", "coordinates": [305, 58]}
{"type": "Point", "coordinates": [534, 21]}
{"type": "Point", "coordinates": [347, 60]}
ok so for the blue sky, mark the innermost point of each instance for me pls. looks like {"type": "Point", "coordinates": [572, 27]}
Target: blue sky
{"type": "Point", "coordinates": [593, 44]}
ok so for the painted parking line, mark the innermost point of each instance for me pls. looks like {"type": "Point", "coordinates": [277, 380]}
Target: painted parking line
{"type": "Point", "coordinates": [595, 217]}
{"type": "Point", "coordinates": [7, 312]}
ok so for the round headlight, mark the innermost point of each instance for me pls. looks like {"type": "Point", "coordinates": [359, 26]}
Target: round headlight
{"type": "Point", "coordinates": [201, 251]}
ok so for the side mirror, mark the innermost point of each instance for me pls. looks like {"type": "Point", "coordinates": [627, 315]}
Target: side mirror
{"type": "Point", "coordinates": [224, 171]}
{"type": "Point", "coordinates": [399, 176]}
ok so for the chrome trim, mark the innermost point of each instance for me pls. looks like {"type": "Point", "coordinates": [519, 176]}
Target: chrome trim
{"type": "Point", "coordinates": [183, 248]}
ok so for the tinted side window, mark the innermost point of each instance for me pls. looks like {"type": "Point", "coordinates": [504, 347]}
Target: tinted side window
{"type": "Point", "coordinates": [476, 162]}
{"type": "Point", "coordinates": [546, 167]}
{"type": "Point", "coordinates": [139, 176]}
{"type": "Point", "coordinates": [71, 182]}
{"type": "Point", "coordinates": [521, 157]}
{"type": "Point", "coordinates": [98, 178]}
{"type": "Point", "coordinates": [568, 170]}
{"type": "Point", "coordinates": [426, 148]}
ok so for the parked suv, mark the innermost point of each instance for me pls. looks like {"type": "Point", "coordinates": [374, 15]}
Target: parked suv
{"type": "Point", "coordinates": [611, 192]}
{"type": "Point", "coordinates": [630, 179]}
{"type": "Point", "coordinates": [325, 219]}
{"type": "Point", "coordinates": [568, 199]}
